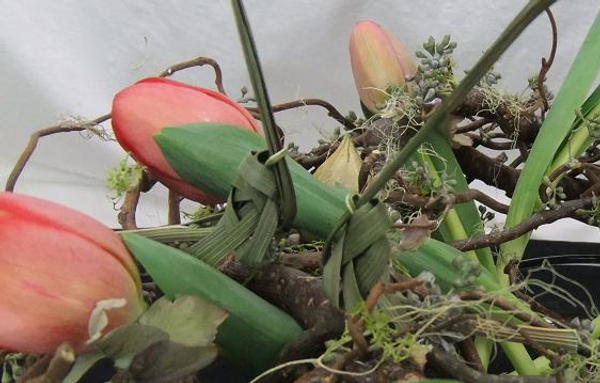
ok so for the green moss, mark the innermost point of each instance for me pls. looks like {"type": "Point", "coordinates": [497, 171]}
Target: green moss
{"type": "Point", "coordinates": [120, 178]}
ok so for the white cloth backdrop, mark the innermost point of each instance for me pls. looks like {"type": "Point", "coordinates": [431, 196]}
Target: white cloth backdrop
{"type": "Point", "coordinates": [67, 58]}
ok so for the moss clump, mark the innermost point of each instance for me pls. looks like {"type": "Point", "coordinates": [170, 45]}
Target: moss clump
{"type": "Point", "coordinates": [120, 178]}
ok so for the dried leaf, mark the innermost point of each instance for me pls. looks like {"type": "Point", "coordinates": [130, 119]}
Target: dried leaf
{"type": "Point", "coordinates": [125, 342]}
{"type": "Point", "coordinates": [167, 361]}
{"type": "Point", "coordinates": [189, 320]}
{"type": "Point", "coordinates": [419, 354]}
{"type": "Point", "coordinates": [342, 167]}
{"type": "Point", "coordinates": [416, 233]}
{"type": "Point", "coordinates": [459, 140]}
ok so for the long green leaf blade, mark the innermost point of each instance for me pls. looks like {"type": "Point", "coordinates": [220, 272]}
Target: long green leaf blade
{"type": "Point", "coordinates": [554, 130]}
{"type": "Point", "coordinates": [254, 332]}
{"type": "Point", "coordinates": [580, 138]}
{"type": "Point", "coordinates": [282, 173]}
{"type": "Point", "coordinates": [463, 220]}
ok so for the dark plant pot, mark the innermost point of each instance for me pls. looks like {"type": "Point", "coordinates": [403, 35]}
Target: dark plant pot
{"type": "Point", "coordinates": [577, 262]}
{"type": "Point", "coordinates": [221, 370]}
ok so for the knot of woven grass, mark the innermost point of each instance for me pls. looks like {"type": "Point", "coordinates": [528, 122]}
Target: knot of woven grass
{"type": "Point", "coordinates": [358, 256]}
{"type": "Point", "coordinates": [250, 219]}
{"type": "Point", "coordinates": [272, 160]}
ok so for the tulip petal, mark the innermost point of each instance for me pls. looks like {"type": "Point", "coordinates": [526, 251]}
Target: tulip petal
{"type": "Point", "coordinates": [61, 218]}
{"type": "Point", "coordinates": [49, 299]}
{"type": "Point", "coordinates": [250, 121]}
{"type": "Point", "coordinates": [145, 108]}
{"type": "Point", "coordinates": [57, 264]}
{"type": "Point", "coordinates": [379, 60]}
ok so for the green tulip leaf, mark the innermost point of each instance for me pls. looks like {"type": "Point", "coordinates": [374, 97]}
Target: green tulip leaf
{"type": "Point", "coordinates": [254, 332]}
{"type": "Point", "coordinates": [209, 155]}
{"type": "Point", "coordinates": [205, 142]}
{"type": "Point", "coordinates": [189, 320]}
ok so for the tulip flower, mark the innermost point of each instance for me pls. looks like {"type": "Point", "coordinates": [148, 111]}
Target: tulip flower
{"type": "Point", "coordinates": [143, 109]}
{"type": "Point", "coordinates": [379, 61]}
{"type": "Point", "coordinates": [57, 265]}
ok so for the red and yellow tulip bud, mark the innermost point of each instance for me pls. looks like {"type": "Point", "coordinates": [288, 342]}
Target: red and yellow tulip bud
{"type": "Point", "coordinates": [379, 61]}
{"type": "Point", "coordinates": [143, 109]}
{"type": "Point", "coordinates": [57, 265]}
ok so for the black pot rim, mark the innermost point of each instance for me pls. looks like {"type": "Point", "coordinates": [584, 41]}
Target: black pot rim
{"type": "Point", "coordinates": [587, 260]}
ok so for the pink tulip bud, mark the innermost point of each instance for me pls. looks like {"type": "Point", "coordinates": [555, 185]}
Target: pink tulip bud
{"type": "Point", "coordinates": [57, 264]}
{"type": "Point", "coordinates": [143, 109]}
{"type": "Point", "coordinates": [379, 61]}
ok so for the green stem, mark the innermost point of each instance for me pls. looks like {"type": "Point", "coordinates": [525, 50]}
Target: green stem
{"type": "Point", "coordinates": [467, 212]}
{"type": "Point", "coordinates": [484, 348]}
{"type": "Point", "coordinates": [519, 358]}
{"type": "Point", "coordinates": [596, 324]}
{"type": "Point", "coordinates": [452, 220]}
{"type": "Point", "coordinates": [578, 142]}
{"type": "Point", "coordinates": [580, 137]}
{"type": "Point", "coordinates": [542, 364]}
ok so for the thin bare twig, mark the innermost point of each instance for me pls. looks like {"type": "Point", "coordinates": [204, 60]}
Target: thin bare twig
{"type": "Point", "coordinates": [568, 209]}
{"type": "Point", "coordinates": [198, 62]}
{"type": "Point", "coordinates": [126, 214]}
{"type": "Point", "coordinates": [488, 143]}
{"type": "Point", "coordinates": [479, 196]}
{"type": "Point", "coordinates": [174, 215]}
{"type": "Point", "coordinates": [387, 288]}
{"type": "Point", "coordinates": [523, 150]}
{"type": "Point", "coordinates": [559, 171]}
{"type": "Point", "coordinates": [304, 260]}
{"type": "Point", "coordinates": [546, 64]}
{"type": "Point", "coordinates": [34, 139]}
{"type": "Point", "coordinates": [590, 171]}
{"type": "Point", "coordinates": [471, 126]}
{"type": "Point", "coordinates": [470, 354]}
{"type": "Point", "coordinates": [592, 190]}
{"type": "Point", "coordinates": [399, 195]}
{"type": "Point", "coordinates": [454, 366]}
{"type": "Point", "coordinates": [355, 328]}
{"type": "Point", "coordinates": [313, 159]}
{"type": "Point", "coordinates": [69, 126]}
{"type": "Point", "coordinates": [517, 161]}
{"type": "Point", "coordinates": [331, 110]}
{"type": "Point", "coordinates": [58, 366]}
